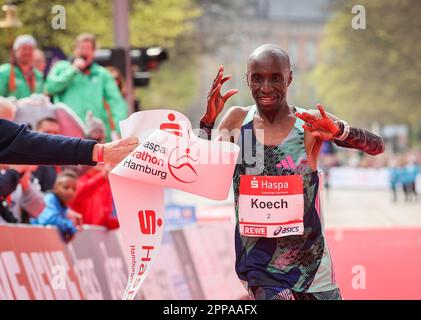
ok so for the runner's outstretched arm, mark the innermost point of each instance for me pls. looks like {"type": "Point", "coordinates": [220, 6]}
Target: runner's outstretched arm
{"type": "Point", "coordinates": [362, 140]}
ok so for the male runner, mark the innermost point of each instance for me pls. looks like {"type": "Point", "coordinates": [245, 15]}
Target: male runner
{"type": "Point", "coordinates": [290, 262]}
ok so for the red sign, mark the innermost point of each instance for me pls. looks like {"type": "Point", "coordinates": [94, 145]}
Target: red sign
{"type": "Point", "coordinates": [148, 221]}
{"type": "Point", "coordinates": [255, 231]}
{"type": "Point", "coordinates": [271, 185]}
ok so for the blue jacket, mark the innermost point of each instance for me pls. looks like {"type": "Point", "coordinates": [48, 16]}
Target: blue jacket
{"type": "Point", "coordinates": [18, 145]}
{"type": "Point", "coordinates": [411, 172]}
{"type": "Point", "coordinates": [55, 213]}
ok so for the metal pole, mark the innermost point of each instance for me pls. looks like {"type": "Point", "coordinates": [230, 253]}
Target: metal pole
{"type": "Point", "coordinates": [122, 40]}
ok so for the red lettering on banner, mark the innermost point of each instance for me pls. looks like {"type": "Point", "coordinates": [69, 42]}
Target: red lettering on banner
{"type": "Point", "coordinates": [149, 248]}
{"type": "Point", "coordinates": [255, 231]}
{"type": "Point", "coordinates": [148, 221]}
{"type": "Point", "coordinates": [130, 294]}
{"type": "Point", "coordinates": [142, 269]}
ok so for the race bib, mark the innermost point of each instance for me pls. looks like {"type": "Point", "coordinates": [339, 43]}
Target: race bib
{"type": "Point", "coordinates": [271, 206]}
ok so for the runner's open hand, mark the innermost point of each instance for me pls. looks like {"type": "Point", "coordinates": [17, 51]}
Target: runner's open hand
{"type": "Point", "coordinates": [216, 101]}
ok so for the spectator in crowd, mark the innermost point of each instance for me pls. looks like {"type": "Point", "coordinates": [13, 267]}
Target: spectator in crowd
{"type": "Point", "coordinates": [9, 178]}
{"type": "Point", "coordinates": [20, 78]}
{"type": "Point", "coordinates": [412, 169]}
{"type": "Point", "coordinates": [84, 85]}
{"type": "Point", "coordinates": [404, 176]}
{"type": "Point", "coordinates": [46, 175]}
{"type": "Point", "coordinates": [16, 192]}
{"type": "Point", "coordinates": [7, 109]}
{"type": "Point", "coordinates": [56, 210]}
{"type": "Point", "coordinates": [93, 196]}
{"type": "Point", "coordinates": [119, 80]}
{"type": "Point", "coordinates": [23, 198]}
{"type": "Point", "coordinates": [40, 63]}
{"type": "Point", "coordinates": [394, 179]}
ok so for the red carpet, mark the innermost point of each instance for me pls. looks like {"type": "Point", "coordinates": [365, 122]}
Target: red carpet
{"type": "Point", "coordinates": [389, 259]}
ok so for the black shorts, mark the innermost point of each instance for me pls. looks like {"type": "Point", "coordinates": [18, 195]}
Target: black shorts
{"type": "Point", "coordinates": [269, 293]}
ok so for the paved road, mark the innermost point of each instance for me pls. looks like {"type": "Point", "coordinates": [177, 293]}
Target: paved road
{"type": "Point", "coordinates": [375, 243]}
{"type": "Point", "coordinates": [369, 209]}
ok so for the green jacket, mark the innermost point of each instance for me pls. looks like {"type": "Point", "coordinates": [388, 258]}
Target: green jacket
{"type": "Point", "coordinates": [84, 92]}
{"type": "Point", "coordinates": [22, 87]}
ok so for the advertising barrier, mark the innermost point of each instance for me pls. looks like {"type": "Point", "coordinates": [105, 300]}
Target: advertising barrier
{"type": "Point", "coordinates": [99, 263]}
{"type": "Point", "coordinates": [361, 178]}
{"type": "Point", "coordinates": [35, 264]}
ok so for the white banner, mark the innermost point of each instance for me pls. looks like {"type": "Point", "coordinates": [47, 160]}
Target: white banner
{"type": "Point", "coordinates": [169, 155]}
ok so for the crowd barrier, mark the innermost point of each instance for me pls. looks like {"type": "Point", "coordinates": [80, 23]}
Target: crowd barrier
{"type": "Point", "coordinates": [195, 262]}
{"type": "Point", "coordinates": [35, 264]}
{"type": "Point", "coordinates": [359, 178]}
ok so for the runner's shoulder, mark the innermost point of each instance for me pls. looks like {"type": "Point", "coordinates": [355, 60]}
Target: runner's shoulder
{"type": "Point", "coordinates": [234, 117]}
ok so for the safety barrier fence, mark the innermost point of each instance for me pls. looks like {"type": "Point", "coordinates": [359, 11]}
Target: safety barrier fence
{"type": "Point", "coordinates": [194, 262]}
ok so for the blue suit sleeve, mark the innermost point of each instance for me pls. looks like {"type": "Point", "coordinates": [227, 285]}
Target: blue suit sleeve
{"type": "Point", "coordinates": [18, 145]}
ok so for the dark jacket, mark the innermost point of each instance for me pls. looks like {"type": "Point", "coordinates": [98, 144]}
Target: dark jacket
{"type": "Point", "coordinates": [9, 180]}
{"type": "Point", "coordinates": [46, 176]}
{"type": "Point", "coordinates": [18, 145]}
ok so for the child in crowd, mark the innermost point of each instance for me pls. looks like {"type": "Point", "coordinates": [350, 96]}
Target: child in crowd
{"type": "Point", "coordinates": [56, 210]}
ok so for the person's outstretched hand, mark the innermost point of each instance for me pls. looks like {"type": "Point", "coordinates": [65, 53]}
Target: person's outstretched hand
{"type": "Point", "coordinates": [116, 151]}
{"type": "Point", "coordinates": [216, 101]}
{"type": "Point", "coordinates": [322, 128]}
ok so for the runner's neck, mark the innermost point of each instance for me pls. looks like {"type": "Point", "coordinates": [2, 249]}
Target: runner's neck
{"type": "Point", "coordinates": [276, 115]}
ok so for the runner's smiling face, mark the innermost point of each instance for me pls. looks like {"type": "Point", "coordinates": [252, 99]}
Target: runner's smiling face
{"type": "Point", "coordinates": [269, 77]}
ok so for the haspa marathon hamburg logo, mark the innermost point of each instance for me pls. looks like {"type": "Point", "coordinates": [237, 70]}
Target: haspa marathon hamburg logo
{"type": "Point", "coordinates": [148, 221]}
{"type": "Point", "coordinates": [180, 165]}
{"type": "Point", "coordinates": [180, 162]}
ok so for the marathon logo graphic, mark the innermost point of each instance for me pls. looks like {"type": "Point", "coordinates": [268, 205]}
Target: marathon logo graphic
{"type": "Point", "coordinates": [181, 165]}
{"type": "Point", "coordinates": [148, 221]}
{"type": "Point", "coordinates": [171, 127]}
{"type": "Point", "coordinates": [254, 184]}
{"type": "Point", "coordinates": [255, 231]}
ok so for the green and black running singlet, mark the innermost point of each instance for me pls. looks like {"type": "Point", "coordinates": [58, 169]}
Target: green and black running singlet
{"type": "Point", "coordinates": [302, 262]}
